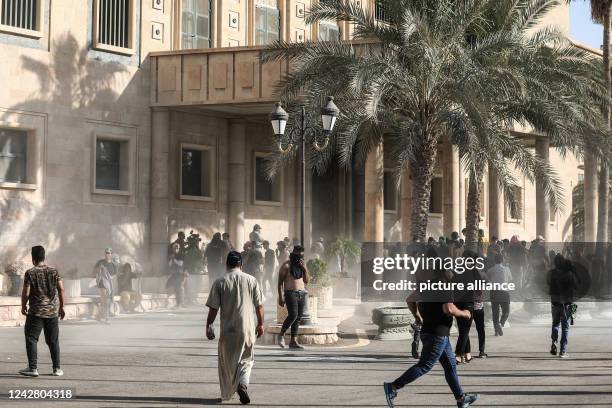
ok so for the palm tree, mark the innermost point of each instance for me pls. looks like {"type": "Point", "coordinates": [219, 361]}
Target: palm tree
{"type": "Point", "coordinates": [600, 13]}
{"type": "Point", "coordinates": [440, 69]}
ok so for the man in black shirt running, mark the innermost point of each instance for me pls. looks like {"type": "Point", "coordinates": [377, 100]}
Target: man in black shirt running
{"type": "Point", "coordinates": [435, 313]}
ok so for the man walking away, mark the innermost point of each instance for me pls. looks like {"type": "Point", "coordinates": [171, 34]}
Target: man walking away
{"type": "Point", "coordinates": [239, 297]}
{"type": "Point", "coordinates": [500, 299]}
{"type": "Point", "coordinates": [130, 299]}
{"type": "Point", "coordinates": [435, 312]}
{"type": "Point", "coordinates": [43, 290]}
{"type": "Point", "coordinates": [292, 277]}
{"type": "Point", "coordinates": [562, 281]}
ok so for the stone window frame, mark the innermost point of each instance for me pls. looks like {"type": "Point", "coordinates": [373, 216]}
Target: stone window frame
{"type": "Point", "coordinates": [281, 201]}
{"type": "Point", "coordinates": [131, 50]}
{"type": "Point", "coordinates": [213, 171]}
{"type": "Point", "coordinates": [34, 149]}
{"type": "Point", "coordinates": [130, 168]}
{"type": "Point", "coordinates": [37, 34]}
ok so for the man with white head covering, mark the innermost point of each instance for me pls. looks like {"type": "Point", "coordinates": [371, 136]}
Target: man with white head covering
{"type": "Point", "coordinates": [239, 297]}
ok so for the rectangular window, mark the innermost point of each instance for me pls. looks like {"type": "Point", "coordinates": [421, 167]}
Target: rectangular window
{"type": "Point", "coordinates": [112, 165]}
{"type": "Point", "coordinates": [21, 17]}
{"type": "Point", "coordinates": [197, 170]}
{"type": "Point", "coordinates": [514, 209]}
{"type": "Point", "coordinates": [381, 13]}
{"type": "Point", "coordinates": [114, 25]}
{"type": "Point", "coordinates": [389, 191]}
{"type": "Point", "coordinates": [267, 24]}
{"type": "Point", "coordinates": [266, 191]}
{"type": "Point", "coordinates": [13, 156]}
{"type": "Point", "coordinates": [435, 200]}
{"type": "Point", "coordinates": [329, 31]}
{"type": "Point", "coordinates": [195, 24]}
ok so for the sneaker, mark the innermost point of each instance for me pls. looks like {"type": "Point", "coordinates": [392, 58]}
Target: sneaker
{"type": "Point", "coordinates": [29, 372]}
{"type": "Point", "coordinates": [58, 372]}
{"type": "Point", "coordinates": [280, 340]}
{"type": "Point", "coordinates": [243, 394]}
{"type": "Point", "coordinates": [501, 331]}
{"type": "Point", "coordinates": [482, 354]}
{"type": "Point", "coordinates": [553, 349]}
{"type": "Point", "coordinates": [563, 354]}
{"type": "Point", "coordinates": [390, 393]}
{"type": "Point", "coordinates": [415, 350]}
{"type": "Point", "coordinates": [467, 400]}
{"type": "Point", "coordinates": [295, 345]}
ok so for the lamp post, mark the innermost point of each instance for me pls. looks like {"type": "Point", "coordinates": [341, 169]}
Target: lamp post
{"type": "Point", "coordinates": [300, 134]}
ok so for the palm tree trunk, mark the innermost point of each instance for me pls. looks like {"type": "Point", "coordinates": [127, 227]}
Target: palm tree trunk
{"type": "Point", "coordinates": [472, 219]}
{"type": "Point", "coordinates": [603, 188]}
{"type": "Point", "coordinates": [422, 170]}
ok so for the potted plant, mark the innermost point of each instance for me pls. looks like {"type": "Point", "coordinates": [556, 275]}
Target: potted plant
{"type": "Point", "coordinates": [348, 251]}
{"type": "Point", "coordinates": [72, 283]}
{"type": "Point", "coordinates": [321, 284]}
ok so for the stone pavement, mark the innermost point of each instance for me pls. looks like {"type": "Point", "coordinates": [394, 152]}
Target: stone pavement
{"type": "Point", "coordinates": [161, 359]}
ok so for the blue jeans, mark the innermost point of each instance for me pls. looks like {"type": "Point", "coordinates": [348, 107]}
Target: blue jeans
{"type": "Point", "coordinates": [435, 348]}
{"type": "Point", "coordinates": [560, 317]}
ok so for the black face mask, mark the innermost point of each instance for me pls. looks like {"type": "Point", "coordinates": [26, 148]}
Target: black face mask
{"type": "Point", "coordinates": [294, 265]}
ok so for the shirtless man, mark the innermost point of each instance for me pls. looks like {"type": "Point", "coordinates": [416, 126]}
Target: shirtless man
{"type": "Point", "coordinates": [292, 278]}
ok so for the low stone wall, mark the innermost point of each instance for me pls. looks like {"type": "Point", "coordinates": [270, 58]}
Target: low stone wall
{"type": "Point", "coordinates": [85, 306]}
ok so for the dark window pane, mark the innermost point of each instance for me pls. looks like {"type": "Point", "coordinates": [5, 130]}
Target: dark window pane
{"type": "Point", "coordinates": [196, 173]}
{"type": "Point", "coordinates": [265, 190]}
{"type": "Point", "coordinates": [435, 201]}
{"type": "Point", "coordinates": [108, 158]}
{"type": "Point", "coordinates": [13, 149]}
{"type": "Point", "coordinates": [389, 191]}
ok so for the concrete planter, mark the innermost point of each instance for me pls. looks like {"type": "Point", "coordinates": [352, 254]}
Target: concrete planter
{"type": "Point", "coordinates": [534, 311]}
{"type": "Point", "coordinates": [281, 312]}
{"type": "Point", "coordinates": [346, 288]}
{"type": "Point", "coordinates": [72, 288]}
{"type": "Point", "coordinates": [325, 295]}
{"type": "Point", "coordinates": [393, 323]}
{"type": "Point", "coordinates": [88, 286]}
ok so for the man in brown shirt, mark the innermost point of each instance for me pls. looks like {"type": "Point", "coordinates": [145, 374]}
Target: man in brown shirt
{"type": "Point", "coordinates": [43, 289]}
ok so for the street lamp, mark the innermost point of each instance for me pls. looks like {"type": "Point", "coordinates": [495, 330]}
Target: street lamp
{"type": "Point", "coordinates": [299, 134]}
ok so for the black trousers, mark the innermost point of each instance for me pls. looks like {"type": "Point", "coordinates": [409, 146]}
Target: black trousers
{"type": "Point", "coordinates": [33, 326]}
{"type": "Point", "coordinates": [464, 325]}
{"type": "Point", "coordinates": [479, 321]}
{"type": "Point", "coordinates": [500, 300]}
{"type": "Point", "coordinates": [294, 300]}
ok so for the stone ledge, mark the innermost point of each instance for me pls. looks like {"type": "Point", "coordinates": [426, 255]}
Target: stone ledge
{"type": "Point", "coordinates": [310, 335]}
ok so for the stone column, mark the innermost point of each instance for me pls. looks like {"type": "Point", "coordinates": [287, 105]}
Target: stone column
{"type": "Point", "coordinates": [542, 145]}
{"type": "Point", "coordinates": [406, 205]}
{"type": "Point", "coordinates": [590, 197]}
{"type": "Point", "coordinates": [237, 183]}
{"type": "Point", "coordinates": [374, 210]}
{"type": "Point", "coordinates": [451, 190]}
{"type": "Point", "coordinates": [160, 157]}
{"type": "Point", "coordinates": [496, 205]}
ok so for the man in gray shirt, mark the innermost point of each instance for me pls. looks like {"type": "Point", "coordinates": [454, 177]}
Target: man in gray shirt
{"type": "Point", "coordinates": [500, 299]}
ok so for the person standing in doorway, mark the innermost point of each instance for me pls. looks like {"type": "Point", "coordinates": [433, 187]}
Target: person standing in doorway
{"type": "Point", "coordinates": [435, 312]}
{"type": "Point", "coordinates": [43, 291]}
{"type": "Point", "coordinates": [239, 298]}
{"type": "Point", "coordinates": [293, 276]}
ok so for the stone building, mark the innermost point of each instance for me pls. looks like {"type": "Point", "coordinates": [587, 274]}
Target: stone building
{"type": "Point", "coordinates": [125, 121]}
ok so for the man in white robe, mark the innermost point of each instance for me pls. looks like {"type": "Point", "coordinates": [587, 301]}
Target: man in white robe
{"type": "Point", "coordinates": [240, 299]}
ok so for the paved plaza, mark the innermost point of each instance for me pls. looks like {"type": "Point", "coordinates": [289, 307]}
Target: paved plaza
{"type": "Point", "coordinates": [161, 359]}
